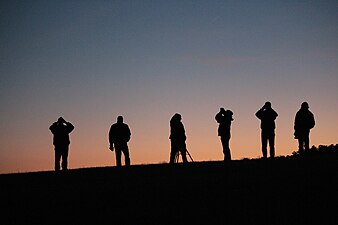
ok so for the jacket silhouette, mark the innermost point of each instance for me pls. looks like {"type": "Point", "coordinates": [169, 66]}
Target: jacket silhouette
{"type": "Point", "coordinates": [177, 138]}
{"type": "Point", "coordinates": [224, 118]}
{"type": "Point", "coordinates": [304, 122]}
{"type": "Point", "coordinates": [61, 130]}
{"type": "Point", "coordinates": [119, 136]}
{"type": "Point", "coordinates": [267, 116]}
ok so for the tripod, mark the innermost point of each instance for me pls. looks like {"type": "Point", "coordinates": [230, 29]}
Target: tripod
{"type": "Point", "coordinates": [177, 156]}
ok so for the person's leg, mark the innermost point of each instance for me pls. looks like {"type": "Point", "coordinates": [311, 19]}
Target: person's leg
{"type": "Point", "coordinates": [173, 151]}
{"type": "Point", "coordinates": [184, 152]}
{"type": "Point", "coordinates": [57, 158]}
{"type": "Point", "coordinates": [118, 156]}
{"type": "Point", "coordinates": [125, 151]}
{"type": "Point", "coordinates": [264, 144]}
{"type": "Point", "coordinates": [184, 156]}
{"type": "Point", "coordinates": [172, 156]}
{"type": "Point", "coordinates": [64, 155]}
{"type": "Point", "coordinates": [226, 148]}
{"type": "Point", "coordinates": [272, 144]}
{"type": "Point", "coordinates": [300, 145]}
{"type": "Point", "coordinates": [307, 143]}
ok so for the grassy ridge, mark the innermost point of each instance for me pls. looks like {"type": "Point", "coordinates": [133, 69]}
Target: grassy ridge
{"type": "Point", "coordinates": [281, 191]}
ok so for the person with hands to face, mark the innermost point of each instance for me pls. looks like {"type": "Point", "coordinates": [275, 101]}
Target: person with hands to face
{"type": "Point", "coordinates": [224, 118]}
{"type": "Point", "coordinates": [61, 130]}
{"type": "Point", "coordinates": [267, 116]}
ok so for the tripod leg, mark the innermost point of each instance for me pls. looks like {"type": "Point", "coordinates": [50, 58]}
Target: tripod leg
{"type": "Point", "coordinates": [189, 156]}
{"type": "Point", "coordinates": [177, 157]}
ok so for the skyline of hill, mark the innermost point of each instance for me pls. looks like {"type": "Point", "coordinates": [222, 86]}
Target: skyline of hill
{"type": "Point", "coordinates": [286, 190]}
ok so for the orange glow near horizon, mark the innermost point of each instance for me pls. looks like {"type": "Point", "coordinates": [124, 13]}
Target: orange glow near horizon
{"type": "Point", "coordinates": [150, 144]}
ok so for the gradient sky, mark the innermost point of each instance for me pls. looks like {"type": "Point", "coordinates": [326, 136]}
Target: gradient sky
{"type": "Point", "coordinates": [90, 61]}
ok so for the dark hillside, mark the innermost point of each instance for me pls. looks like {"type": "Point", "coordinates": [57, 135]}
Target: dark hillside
{"type": "Point", "coordinates": [283, 191]}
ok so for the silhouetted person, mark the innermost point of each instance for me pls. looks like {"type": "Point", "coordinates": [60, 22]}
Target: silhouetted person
{"type": "Point", "coordinates": [119, 135]}
{"type": "Point", "coordinates": [304, 121]}
{"type": "Point", "coordinates": [224, 119]}
{"type": "Point", "coordinates": [61, 130]}
{"type": "Point", "coordinates": [177, 138]}
{"type": "Point", "coordinates": [267, 116]}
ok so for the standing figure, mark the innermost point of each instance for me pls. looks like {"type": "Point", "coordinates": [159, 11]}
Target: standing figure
{"type": "Point", "coordinates": [224, 119]}
{"type": "Point", "coordinates": [177, 138]}
{"type": "Point", "coordinates": [61, 130]}
{"type": "Point", "coordinates": [119, 135]}
{"type": "Point", "coordinates": [267, 116]}
{"type": "Point", "coordinates": [304, 121]}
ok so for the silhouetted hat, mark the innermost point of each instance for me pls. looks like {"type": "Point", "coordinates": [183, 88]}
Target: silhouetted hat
{"type": "Point", "coordinates": [176, 117]}
{"type": "Point", "coordinates": [305, 105]}
{"type": "Point", "coordinates": [61, 120]}
{"type": "Point", "coordinates": [268, 104]}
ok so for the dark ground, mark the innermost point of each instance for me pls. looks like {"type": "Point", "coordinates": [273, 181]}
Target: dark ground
{"type": "Point", "coordinates": [283, 191]}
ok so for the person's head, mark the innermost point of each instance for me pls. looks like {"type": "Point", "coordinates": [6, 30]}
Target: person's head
{"type": "Point", "coordinates": [305, 105]}
{"type": "Point", "coordinates": [61, 120]}
{"type": "Point", "coordinates": [120, 119]}
{"type": "Point", "coordinates": [267, 105]}
{"type": "Point", "coordinates": [177, 117]}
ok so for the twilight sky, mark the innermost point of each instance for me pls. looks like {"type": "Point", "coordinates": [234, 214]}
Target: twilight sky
{"type": "Point", "coordinates": [90, 61]}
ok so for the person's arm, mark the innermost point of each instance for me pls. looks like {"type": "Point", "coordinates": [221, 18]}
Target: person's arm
{"type": "Point", "coordinates": [52, 127]}
{"type": "Point", "coordinates": [296, 121]}
{"type": "Point", "coordinates": [128, 134]}
{"type": "Point", "coordinates": [183, 132]}
{"type": "Point", "coordinates": [259, 113]}
{"type": "Point", "coordinates": [111, 138]}
{"type": "Point", "coordinates": [70, 127]}
{"type": "Point", "coordinates": [218, 117]}
{"type": "Point", "coordinates": [313, 122]}
{"type": "Point", "coordinates": [275, 114]}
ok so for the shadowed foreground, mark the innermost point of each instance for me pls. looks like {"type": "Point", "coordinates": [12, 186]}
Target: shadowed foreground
{"type": "Point", "coordinates": [283, 191]}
